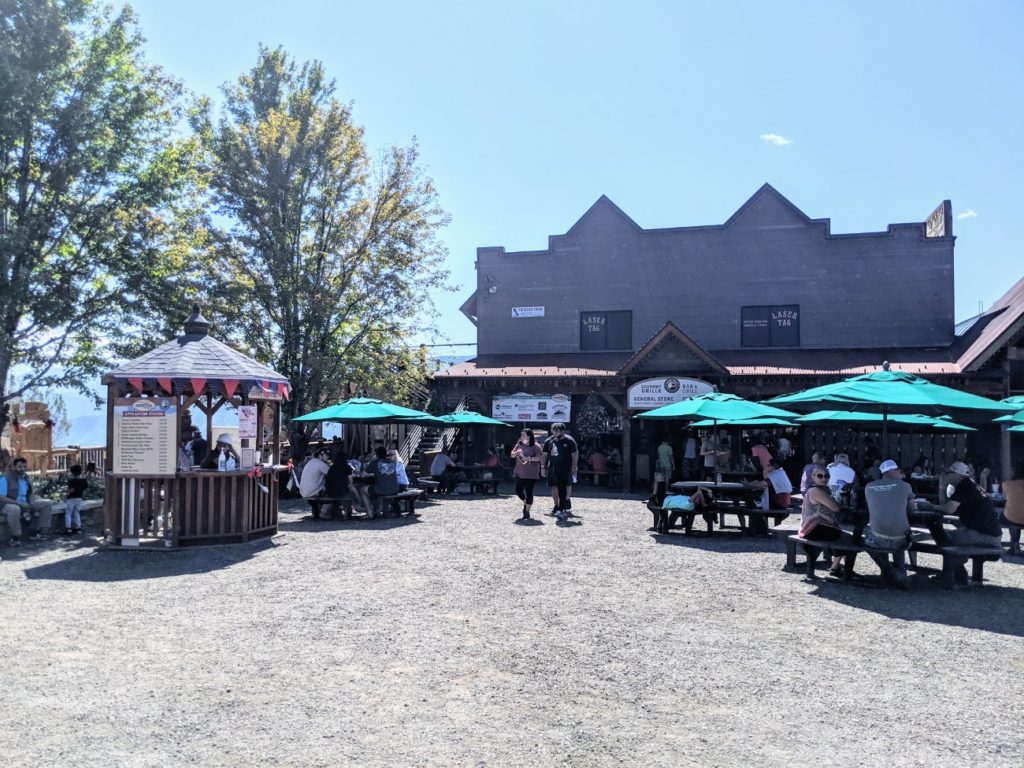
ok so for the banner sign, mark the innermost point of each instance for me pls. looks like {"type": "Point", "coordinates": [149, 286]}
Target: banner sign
{"type": "Point", "coordinates": [523, 407]}
{"type": "Point", "coordinates": [145, 436]}
{"type": "Point", "coordinates": [654, 393]}
{"type": "Point", "coordinates": [527, 311]}
{"type": "Point", "coordinates": [332, 429]}
{"type": "Point", "coordinates": [247, 422]}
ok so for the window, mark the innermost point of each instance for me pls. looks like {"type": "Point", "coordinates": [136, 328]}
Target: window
{"type": "Point", "coordinates": [606, 330]}
{"type": "Point", "coordinates": [770, 326]}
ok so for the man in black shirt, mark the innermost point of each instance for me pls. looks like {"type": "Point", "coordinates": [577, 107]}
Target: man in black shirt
{"type": "Point", "coordinates": [561, 454]}
{"type": "Point", "coordinates": [978, 518]}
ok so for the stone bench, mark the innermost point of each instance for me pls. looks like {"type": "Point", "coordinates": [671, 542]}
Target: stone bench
{"type": "Point", "coordinates": [88, 506]}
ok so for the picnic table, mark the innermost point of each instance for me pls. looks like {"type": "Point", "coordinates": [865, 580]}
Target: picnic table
{"type": "Point", "coordinates": [740, 499]}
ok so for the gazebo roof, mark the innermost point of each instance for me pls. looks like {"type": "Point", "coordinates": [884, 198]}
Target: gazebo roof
{"type": "Point", "coordinates": [195, 357]}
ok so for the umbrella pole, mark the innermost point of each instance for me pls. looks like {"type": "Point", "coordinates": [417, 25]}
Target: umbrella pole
{"type": "Point", "coordinates": [885, 432]}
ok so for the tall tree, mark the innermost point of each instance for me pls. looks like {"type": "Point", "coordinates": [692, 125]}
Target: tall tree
{"type": "Point", "coordinates": [90, 180]}
{"type": "Point", "coordinates": [330, 254]}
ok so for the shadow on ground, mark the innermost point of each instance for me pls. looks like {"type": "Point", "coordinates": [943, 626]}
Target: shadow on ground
{"type": "Point", "coordinates": [977, 607]}
{"type": "Point", "coordinates": [103, 565]}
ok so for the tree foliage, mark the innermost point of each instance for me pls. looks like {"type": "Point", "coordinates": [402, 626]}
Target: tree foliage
{"type": "Point", "coordinates": [91, 185]}
{"type": "Point", "coordinates": [329, 254]}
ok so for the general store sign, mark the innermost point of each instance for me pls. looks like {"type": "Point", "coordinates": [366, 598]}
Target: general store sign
{"type": "Point", "coordinates": [523, 407]}
{"type": "Point", "coordinates": [654, 393]}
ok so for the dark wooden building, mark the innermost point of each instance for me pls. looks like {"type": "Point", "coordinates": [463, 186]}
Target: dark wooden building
{"type": "Point", "coordinates": [769, 302]}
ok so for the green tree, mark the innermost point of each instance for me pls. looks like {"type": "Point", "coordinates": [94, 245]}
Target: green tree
{"type": "Point", "coordinates": [330, 254]}
{"type": "Point", "coordinates": [92, 182]}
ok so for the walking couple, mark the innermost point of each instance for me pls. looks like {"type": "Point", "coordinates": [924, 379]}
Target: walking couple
{"type": "Point", "coordinates": [556, 461]}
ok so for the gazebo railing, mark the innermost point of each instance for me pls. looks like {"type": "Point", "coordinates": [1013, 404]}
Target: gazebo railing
{"type": "Point", "coordinates": [191, 507]}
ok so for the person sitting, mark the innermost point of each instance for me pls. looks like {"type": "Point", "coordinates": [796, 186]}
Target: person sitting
{"type": "Point", "coordinates": [921, 468]}
{"type": "Point", "coordinates": [805, 477]}
{"type": "Point", "coordinates": [313, 479]}
{"type": "Point", "coordinates": [840, 474]}
{"type": "Point", "coordinates": [198, 447]}
{"type": "Point", "coordinates": [222, 457]}
{"type": "Point", "coordinates": [1013, 514]}
{"type": "Point", "coordinates": [338, 485]}
{"type": "Point", "coordinates": [780, 489]}
{"type": "Point", "coordinates": [978, 521]}
{"type": "Point", "coordinates": [598, 463]}
{"type": "Point", "coordinates": [889, 500]}
{"type": "Point", "coordinates": [443, 469]}
{"type": "Point", "coordinates": [874, 472]}
{"type": "Point", "coordinates": [819, 519]}
{"type": "Point", "coordinates": [400, 473]}
{"type": "Point", "coordinates": [18, 505]}
{"type": "Point", "coordinates": [385, 480]}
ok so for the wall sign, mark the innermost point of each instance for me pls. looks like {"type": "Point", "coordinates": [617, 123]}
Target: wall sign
{"type": "Point", "coordinates": [527, 311]}
{"type": "Point", "coordinates": [145, 436]}
{"type": "Point", "coordinates": [247, 422]}
{"type": "Point", "coordinates": [770, 326]}
{"type": "Point", "coordinates": [524, 407]}
{"type": "Point", "coordinates": [654, 393]}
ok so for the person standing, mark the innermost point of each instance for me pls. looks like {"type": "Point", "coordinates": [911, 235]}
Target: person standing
{"type": "Point", "coordinates": [527, 456]}
{"type": "Point", "coordinates": [690, 458]}
{"type": "Point", "coordinates": [562, 456]}
{"type": "Point", "coordinates": [889, 499]}
{"type": "Point", "coordinates": [665, 466]}
{"type": "Point", "coordinates": [709, 452]}
{"type": "Point", "coordinates": [73, 501]}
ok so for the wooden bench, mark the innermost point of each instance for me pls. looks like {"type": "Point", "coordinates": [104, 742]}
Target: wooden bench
{"type": "Point", "coordinates": [665, 519]}
{"type": "Point", "coordinates": [758, 523]}
{"type": "Point", "coordinates": [406, 499]}
{"type": "Point", "coordinates": [595, 476]}
{"type": "Point", "coordinates": [428, 486]}
{"type": "Point", "coordinates": [950, 554]}
{"type": "Point", "coordinates": [482, 486]}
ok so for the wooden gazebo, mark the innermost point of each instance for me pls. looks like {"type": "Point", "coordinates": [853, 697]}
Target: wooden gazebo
{"type": "Point", "coordinates": [151, 497]}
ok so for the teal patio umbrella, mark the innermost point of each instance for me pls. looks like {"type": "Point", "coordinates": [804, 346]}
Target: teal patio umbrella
{"type": "Point", "coordinates": [470, 418]}
{"type": "Point", "coordinates": [1018, 428]}
{"type": "Point", "coordinates": [864, 417]}
{"type": "Point", "coordinates": [887, 392]}
{"type": "Point", "coordinates": [760, 421]}
{"type": "Point", "coordinates": [1017, 401]}
{"type": "Point", "coordinates": [368, 410]}
{"type": "Point", "coordinates": [717, 407]}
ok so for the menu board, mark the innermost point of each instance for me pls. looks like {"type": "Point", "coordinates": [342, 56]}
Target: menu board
{"type": "Point", "coordinates": [145, 436]}
{"type": "Point", "coordinates": [545, 408]}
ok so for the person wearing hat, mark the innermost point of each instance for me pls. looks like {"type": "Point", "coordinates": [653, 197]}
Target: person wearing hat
{"type": "Point", "coordinates": [889, 500]}
{"type": "Point", "coordinates": [223, 448]}
{"type": "Point", "coordinates": [978, 521]}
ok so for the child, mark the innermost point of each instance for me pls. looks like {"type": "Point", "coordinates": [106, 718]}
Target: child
{"type": "Point", "coordinates": [73, 503]}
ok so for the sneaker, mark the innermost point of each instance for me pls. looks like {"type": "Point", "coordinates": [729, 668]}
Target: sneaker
{"type": "Point", "coordinates": [568, 505]}
{"type": "Point", "coordinates": [554, 512]}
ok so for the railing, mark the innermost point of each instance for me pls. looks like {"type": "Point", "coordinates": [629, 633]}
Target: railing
{"type": "Point", "coordinates": [190, 507]}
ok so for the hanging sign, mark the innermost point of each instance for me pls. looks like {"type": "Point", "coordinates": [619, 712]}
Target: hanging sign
{"type": "Point", "coordinates": [247, 422]}
{"type": "Point", "coordinates": [654, 393]}
{"type": "Point", "coordinates": [145, 436]}
{"type": "Point", "coordinates": [523, 407]}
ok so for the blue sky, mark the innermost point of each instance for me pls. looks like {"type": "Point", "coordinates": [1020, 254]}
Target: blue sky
{"type": "Point", "coordinates": [527, 112]}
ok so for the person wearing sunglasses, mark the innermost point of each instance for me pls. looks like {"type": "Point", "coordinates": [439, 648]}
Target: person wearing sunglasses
{"type": "Point", "coordinates": [819, 519]}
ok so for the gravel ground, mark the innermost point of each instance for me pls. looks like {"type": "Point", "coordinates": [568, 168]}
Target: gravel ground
{"type": "Point", "coordinates": [462, 638]}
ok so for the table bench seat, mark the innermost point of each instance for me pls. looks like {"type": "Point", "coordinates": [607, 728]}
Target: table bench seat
{"type": "Point", "coordinates": [483, 487]}
{"type": "Point", "coordinates": [405, 500]}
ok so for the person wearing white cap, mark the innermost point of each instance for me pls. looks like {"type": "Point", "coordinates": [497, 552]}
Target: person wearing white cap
{"type": "Point", "coordinates": [224, 450]}
{"type": "Point", "coordinates": [889, 500]}
{"type": "Point", "coordinates": [978, 521]}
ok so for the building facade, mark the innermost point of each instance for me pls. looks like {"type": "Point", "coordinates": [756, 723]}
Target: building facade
{"type": "Point", "coordinates": [771, 301]}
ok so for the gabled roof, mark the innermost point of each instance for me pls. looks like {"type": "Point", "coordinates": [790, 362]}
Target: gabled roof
{"type": "Point", "coordinates": [671, 331]}
{"type": "Point", "coordinates": [547, 365]}
{"type": "Point", "coordinates": [769, 197]}
{"type": "Point", "coordinates": [1007, 321]}
{"type": "Point", "coordinates": [603, 208]}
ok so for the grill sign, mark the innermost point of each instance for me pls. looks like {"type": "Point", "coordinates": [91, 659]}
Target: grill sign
{"type": "Point", "coordinates": [654, 393]}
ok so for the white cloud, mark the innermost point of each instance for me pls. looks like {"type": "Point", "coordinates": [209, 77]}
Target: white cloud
{"type": "Point", "coordinates": [968, 214]}
{"type": "Point", "coordinates": [776, 139]}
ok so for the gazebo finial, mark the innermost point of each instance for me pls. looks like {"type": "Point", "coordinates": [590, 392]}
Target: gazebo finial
{"type": "Point", "coordinates": [885, 365]}
{"type": "Point", "coordinates": [196, 324]}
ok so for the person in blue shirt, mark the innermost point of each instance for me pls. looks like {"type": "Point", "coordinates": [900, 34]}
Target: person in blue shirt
{"type": "Point", "coordinates": [18, 504]}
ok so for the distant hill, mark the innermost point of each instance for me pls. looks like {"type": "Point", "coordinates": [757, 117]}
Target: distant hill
{"type": "Point", "coordinates": [90, 429]}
